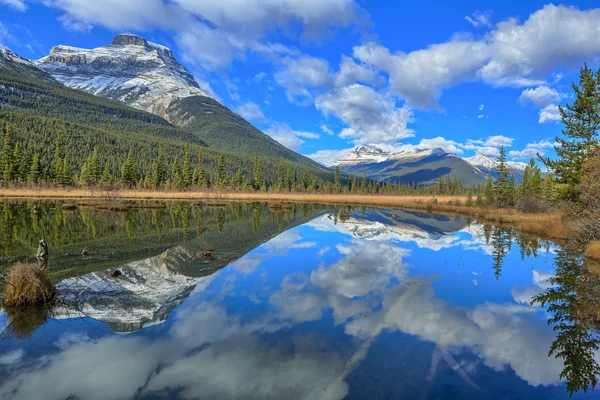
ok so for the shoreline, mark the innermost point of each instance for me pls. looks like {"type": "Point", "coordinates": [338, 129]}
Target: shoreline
{"type": "Point", "coordinates": [550, 225]}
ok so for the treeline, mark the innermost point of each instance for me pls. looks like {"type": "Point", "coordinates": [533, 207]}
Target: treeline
{"type": "Point", "coordinates": [40, 112]}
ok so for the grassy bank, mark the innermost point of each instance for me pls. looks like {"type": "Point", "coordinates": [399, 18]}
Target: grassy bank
{"type": "Point", "coordinates": [547, 224]}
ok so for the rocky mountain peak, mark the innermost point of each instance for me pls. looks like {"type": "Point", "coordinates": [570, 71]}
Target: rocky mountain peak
{"type": "Point", "coordinates": [130, 70]}
{"type": "Point", "coordinates": [129, 39]}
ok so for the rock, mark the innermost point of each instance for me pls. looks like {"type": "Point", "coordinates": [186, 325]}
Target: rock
{"type": "Point", "coordinates": [116, 273]}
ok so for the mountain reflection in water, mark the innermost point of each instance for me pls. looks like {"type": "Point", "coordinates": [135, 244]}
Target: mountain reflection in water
{"type": "Point", "coordinates": [299, 302]}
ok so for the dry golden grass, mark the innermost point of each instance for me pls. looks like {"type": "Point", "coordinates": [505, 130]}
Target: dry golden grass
{"type": "Point", "coordinates": [593, 250]}
{"type": "Point", "coordinates": [27, 285]}
{"type": "Point", "coordinates": [547, 224]}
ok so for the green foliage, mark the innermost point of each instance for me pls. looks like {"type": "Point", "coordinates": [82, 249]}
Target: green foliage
{"type": "Point", "coordinates": [581, 122]}
{"type": "Point", "coordinates": [504, 195]}
{"type": "Point", "coordinates": [129, 173]}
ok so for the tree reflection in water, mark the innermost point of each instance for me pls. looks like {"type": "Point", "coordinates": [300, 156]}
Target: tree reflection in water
{"type": "Point", "coordinates": [572, 304]}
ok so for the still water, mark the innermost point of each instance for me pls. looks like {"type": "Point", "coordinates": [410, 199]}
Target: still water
{"type": "Point", "coordinates": [224, 301]}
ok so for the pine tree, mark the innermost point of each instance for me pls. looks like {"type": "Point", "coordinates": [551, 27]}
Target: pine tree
{"type": "Point", "coordinates": [84, 176]}
{"type": "Point", "coordinates": [59, 155]}
{"type": "Point", "coordinates": [129, 175]}
{"type": "Point", "coordinates": [159, 171]}
{"type": "Point", "coordinates": [363, 185]}
{"type": "Point", "coordinates": [221, 172]}
{"type": "Point", "coordinates": [503, 187]}
{"type": "Point", "coordinates": [35, 171]}
{"type": "Point", "coordinates": [64, 175]}
{"type": "Point", "coordinates": [6, 160]}
{"type": "Point", "coordinates": [257, 173]}
{"type": "Point", "coordinates": [94, 168]}
{"type": "Point", "coordinates": [338, 185]}
{"type": "Point", "coordinates": [16, 159]}
{"type": "Point", "coordinates": [176, 182]}
{"type": "Point", "coordinates": [106, 178]}
{"type": "Point", "coordinates": [25, 164]}
{"type": "Point", "coordinates": [280, 174]}
{"type": "Point", "coordinates": [580, 134]}
{"type": "Point", "coordinates": [186, 176]}
{"type": "Point", "coordinates": [489, 191]}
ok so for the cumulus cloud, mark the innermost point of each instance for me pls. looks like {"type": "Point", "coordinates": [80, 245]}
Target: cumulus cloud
{"type": "Point", "coordinates": [289, 137]}
{"type": "Point", "coordinates": [299, 73]}
{"type": "Point", "coordinates": [540, 96]}
{"type": "Point", "coordinates": [252, 112]}
{"type": "Point", "coordinates": [479, 19]}
{"type": "Point", "coordinates": [449, 146]}
{"type": "Point", "coordinates": [211, 33]}
{"type": "Point", "coordinates": [371, 117]}
{"type": "Point", "coordinates": [512, 54]}
{"type": "Point", "coordinates": [531, 150]}
{"type": "Point", "coordinates": [350, 72]}
{"type": "Point", "coordinates": [549, 113]}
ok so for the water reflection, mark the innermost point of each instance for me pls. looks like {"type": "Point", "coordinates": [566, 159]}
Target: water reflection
{"type": "Point", "coordinates": [315, 302]}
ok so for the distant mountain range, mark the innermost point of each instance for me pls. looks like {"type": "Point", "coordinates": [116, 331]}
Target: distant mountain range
{"type": "Point", "coordinates": [423, 166]}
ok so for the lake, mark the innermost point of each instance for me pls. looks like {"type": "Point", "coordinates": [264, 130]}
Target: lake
{"type": "Point", "coordinates": [293, 301]}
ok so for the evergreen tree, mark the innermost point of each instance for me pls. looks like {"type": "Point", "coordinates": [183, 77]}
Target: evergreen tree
{"type": "Point", "coordinates": [221, 172]}
{"type": "Point", "coordinates": [59, 155]}
{"type": "Point", "coordinates": [64, 175]}
{"type": "Point", "coordinates": [503, 187]}
{"type": "Point", "coordinates": [6, 160]}
{"type": "Point", "coordinates": [202, 177]}
{"type": "Point", "coordinates": [159, 171]}
{"type": "Point", "coordinates": [258, 175]}
{"type": "Point", "coordinates": [176, 181]}
{"type": "Point", "coordinates": [16, 159]}
{"type": "Point", "coordinates": [305, 180]}
{"type": "Point", "coordinates": [338, 185]}
{"type": "Point", "coordinates": [84, 176]}
{"type": "Point", "coordinates": [129, 174]}
{"type": "Point", "coordinates": [106, 178]}
{"type": "Point", "coordinates": [25, 164]}
{"type": "Point", "coordinates": [94, 167]}
{"type": "Point", "coordinates": [581, 122]}
{"type": "Point", "coordinates": [35, 171]}
{"type": "Point", "coordinates": [186, 176]}
{"type": "Point", "coordinates": [489, 191]}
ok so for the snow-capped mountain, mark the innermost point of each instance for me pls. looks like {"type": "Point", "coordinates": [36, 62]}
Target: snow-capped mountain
{"type": "Point", "coordinates": [15, 63]}
{"type": "Point", "coordinates": [130, 70]}
{"type": "Point", "coordinates": [488, 165]}
{"type": "Point", "coordinates": [363, 154]}
{"type": "Point", "coordinates": [421, 166]}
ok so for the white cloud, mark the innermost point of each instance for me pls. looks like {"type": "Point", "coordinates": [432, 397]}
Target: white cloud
{"type": "Point", "coordinates": [499, 140]}
{"type": "Point", "coordinates": [211, 33]}
{"type": "Point", "coordinates": [449, 146]}
{"type": "Point", "coordinates": [371, 117]}
{"type": "Point", "coordinates": [351, 72]}
{"type": "Point", "coordinates": [299, 73]}
{"type": "Point", "coordinates": [288, 137]}
{"type": "Point", "coordinates": [18, 5]}
{"type": "Point", "coordinates": [531, 150]}
{"type": "Point", "coordinates": [481, 107]}
{"type": "Point", "coordinates": [540, 96]}
{"type": "Point", "coordinates": [479, 19]}
{"type": "Point", "coordinates": [252, 112]}
{"type": "Point", "coordinates": [328, 157]}
{"type": "Point", "coordinates": [326, 129]}
{"type": "Point", "coordinates": [258, 78]}
{"type": "Point", "coordinates": [480, 116]}
{"type": "Point", "coordinates": [549, 113]}
{"type": "Point", "coordinates": [513, 54]}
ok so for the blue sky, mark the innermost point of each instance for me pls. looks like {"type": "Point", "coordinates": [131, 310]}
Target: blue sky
{"type": "Point", "coordinates": [324, 76]}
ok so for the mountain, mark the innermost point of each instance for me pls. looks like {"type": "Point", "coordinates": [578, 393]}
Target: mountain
{"type": "Point", "coordinates": [421, 166]}
{"type": "Point", "coordinates": [146, 76]}
{"type": "Point", "coordinates": [13, 62]}
{"type": "Point", "coordinates": [487, 164]}
{"type": "Point", "coordinates": [130, 70]}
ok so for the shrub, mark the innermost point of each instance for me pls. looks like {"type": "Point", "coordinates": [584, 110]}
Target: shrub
{"type": "Point", "coordinates": [27, 285]}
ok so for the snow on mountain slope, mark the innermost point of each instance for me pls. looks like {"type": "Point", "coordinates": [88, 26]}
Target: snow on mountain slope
{"type": "Point", "coordinates": [369, 153]}
{"type": "Point", "coordinates": [489, 164]}
{"type": "Point", "coordinates": [362, 155]}
{"type": "Point", "coordinates": [15, 63]}
{"type": "Point", "coordinates": [145, 294]}
{"type": "Point", "coordinates": [130, 70]}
